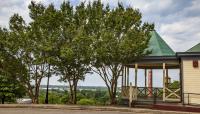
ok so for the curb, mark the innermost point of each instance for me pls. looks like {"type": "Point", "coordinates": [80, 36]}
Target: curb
{"type": "Point", "coordinates": [91, 108]}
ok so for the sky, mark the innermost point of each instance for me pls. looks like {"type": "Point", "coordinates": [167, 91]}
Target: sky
{"type": "Point", "coordinates": [177, 22]}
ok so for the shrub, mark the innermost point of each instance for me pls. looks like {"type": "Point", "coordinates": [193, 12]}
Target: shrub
{"type": "Point", "coordinates": [86, 102]}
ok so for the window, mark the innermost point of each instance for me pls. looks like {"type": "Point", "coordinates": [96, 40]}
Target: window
{"type": "Point", "coordinates": [195, 64]}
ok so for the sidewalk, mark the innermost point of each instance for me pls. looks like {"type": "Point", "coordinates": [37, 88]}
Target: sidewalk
{"type": "Point", "coordinates": [92, 108]}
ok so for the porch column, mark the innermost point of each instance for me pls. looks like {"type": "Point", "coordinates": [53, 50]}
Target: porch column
{"type": "Point", "coordinates": [127, 76]}
{"type": "Point", "coordinates": [150, 83]}
{"type": "Point", "coordinates": [167, 78]}
{"type": "Point", "coordinates": [136, 69]}
{"type": "Point", "coordinates": [181, 82]}
{"type": "Point", "coordinates": [164, 74]}
{"type": "Point", "coordinates": [145, 80]}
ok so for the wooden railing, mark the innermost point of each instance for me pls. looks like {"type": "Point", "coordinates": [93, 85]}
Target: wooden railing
{"type": "Point", "coordinates": [191, 99]}
{"type": "Point", "coordinates": [146, 92]}
{"type": "Point", "coordinates": [143, 92]}
{"type": "Point", "coordinates": [125, 91]}
{"type": "Point", "coordinates": [171, 94]}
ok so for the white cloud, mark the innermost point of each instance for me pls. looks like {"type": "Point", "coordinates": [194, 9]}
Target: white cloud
{"type": "Point", "coordinates": [9, 7]}
{"type": "Point", "coordinates": [183, 34]}
{"type": "Point", "coordinates": [150, 6]}
{"type": "Point", "coordinates": [176, 21]}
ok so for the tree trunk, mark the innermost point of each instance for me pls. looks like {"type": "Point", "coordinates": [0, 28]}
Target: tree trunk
{"type": "Point", "coordinates": [36, 95]}
{"type": "Point", "coordinates": [113, 89]}
{"type": "Point", "coordinates": [3, 99]}
{"type": "Point", "coordinates": [70, 92]}
{"type": "Point", "coordinates": [113, 100]}
{"type": "Point", "coordinates": [75, 97]}
{"type": "Point", "coordinates": [73, 89]}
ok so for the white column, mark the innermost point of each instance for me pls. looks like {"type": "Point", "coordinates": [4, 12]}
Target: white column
{"type": "Point", "coordinates": [127, 76]}
{"type": "Point", "coordinates": [164, 75]}
{"type": "Point", "coordinates": [136, 70]}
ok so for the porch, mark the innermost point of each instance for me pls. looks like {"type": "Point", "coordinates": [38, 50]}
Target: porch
{"type": "Point", "coordinates": [167, 93]}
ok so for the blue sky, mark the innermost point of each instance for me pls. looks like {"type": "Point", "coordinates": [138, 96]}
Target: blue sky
{"type": "Point", "coordinates": [177, 22]}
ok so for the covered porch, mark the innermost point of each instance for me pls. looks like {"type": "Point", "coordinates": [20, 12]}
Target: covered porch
{"type": "Point", "coordinates": [162, 57]}
{"type": "Point", "coordinates": [148, 93]}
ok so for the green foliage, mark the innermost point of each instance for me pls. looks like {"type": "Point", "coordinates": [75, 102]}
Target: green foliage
{"type": "Point", "coordinates": [84, 97]}
{"type": "Point", "coordinates": [71, 41]}
{"type": "Point", "coordinates": [55, 97]}
{"type": "Point", "coordinates": [10, 89]}
{"type": "Point", "coordinates": [100, 97]}
{"type": "Point", "coordinates": [119, 37]}
{"type": "Point", "coordinates": [175, 84]}
{"type": "Point", "coordinates": [10, 86]}
{"type": "Point", "coordinates": [86, 102]}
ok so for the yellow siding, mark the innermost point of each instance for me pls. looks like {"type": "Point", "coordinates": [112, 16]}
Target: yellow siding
{"type": "Point", "coordinates": [191, 80]}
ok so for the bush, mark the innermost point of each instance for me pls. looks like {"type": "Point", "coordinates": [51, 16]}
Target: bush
{"type": "Point", "coordinates": [86, 102]}
{"type": "Point", "coordinates": [65, 98]}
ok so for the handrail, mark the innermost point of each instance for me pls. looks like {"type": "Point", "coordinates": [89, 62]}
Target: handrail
{"type": "Point", "coordinates": [193, 93]}
{"type": "Point", "coordinates": [189, 98]}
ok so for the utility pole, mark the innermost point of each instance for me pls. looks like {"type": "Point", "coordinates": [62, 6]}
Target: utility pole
{"type": "Point", "coordinates": [47, 90]}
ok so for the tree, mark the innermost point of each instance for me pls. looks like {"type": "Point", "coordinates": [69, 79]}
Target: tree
{"type": "Point", "coordinates": [46, 24]}
{"type": "Point", "coordinates": [34, 46]}
{"type": "Point", "coordinates": [10, 86]}
{"type": "Point", "coordinates": [74, 53]}
{"type": "Point", "coordinates": [120, 38]}
{"type": "Point", "coordinates": [74, 40]}
{"type": "Point", "coordinates": [23, 48]}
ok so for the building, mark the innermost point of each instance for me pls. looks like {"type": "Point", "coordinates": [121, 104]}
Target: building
{"type": "Point", "coordinates": [187, 89]}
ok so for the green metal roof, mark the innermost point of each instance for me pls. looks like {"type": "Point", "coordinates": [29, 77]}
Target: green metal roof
{"type": "Point", "coordinates": [196, 48]}
{"type": "Point", "coordinates": [158, 46]}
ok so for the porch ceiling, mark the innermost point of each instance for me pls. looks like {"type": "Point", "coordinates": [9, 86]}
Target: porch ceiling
{"type": "Point", "coordinates": [156, 62]}
{"type": "Point", "coordinates": [155, 66]}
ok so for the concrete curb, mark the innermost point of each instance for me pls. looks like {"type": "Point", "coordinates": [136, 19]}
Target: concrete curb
{"type": "Point", "coordinates": [92, 108]}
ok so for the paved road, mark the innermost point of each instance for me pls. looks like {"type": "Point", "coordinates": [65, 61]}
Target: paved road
{"type": "Point", "coordinates": [62, 111]}
{"type": "Point", "coordinates": [53, 111]}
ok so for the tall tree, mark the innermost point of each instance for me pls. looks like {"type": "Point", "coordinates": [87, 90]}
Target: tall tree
{"type": "Point", "coordinates": [34, 45]}
{"type": "Point", "coordinates": [10, 86]}
{"type": "Point", "coordinates": [45, 26]}
{"type": "Point", "coordinates": [74, 47]}
{"type": "Point", "coordinates": [23, 48]}
{"type": "Point", "coordinates": [120, 38]}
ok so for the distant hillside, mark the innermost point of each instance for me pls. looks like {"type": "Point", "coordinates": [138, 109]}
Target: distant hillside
{"type": "Point", "coordinates": [62, 87]}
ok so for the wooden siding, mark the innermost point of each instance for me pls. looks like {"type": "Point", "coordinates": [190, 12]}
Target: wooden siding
{"type": "Point", "coordinates": [191, 80]}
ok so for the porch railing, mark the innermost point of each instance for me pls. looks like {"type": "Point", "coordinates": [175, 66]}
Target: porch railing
{"type": "Point", "coordinates": [191, 98]}
{"type": "Point", "coordinates": [147, 92]}
{"type": "Point", "coordinates": [172, 94]}
{"type": "Point", "coordinates": [125, 91]}
{"type": "Point", "coordinates": [155, 93]}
